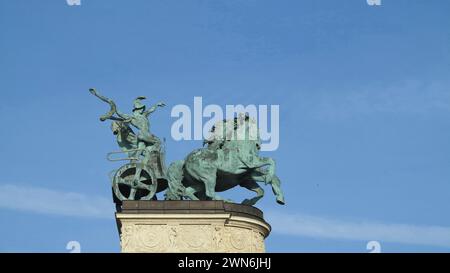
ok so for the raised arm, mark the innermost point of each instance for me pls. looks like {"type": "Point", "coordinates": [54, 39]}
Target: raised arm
{"type": "Point", "coordinates": [153, 108]}
{"type": "Point", "coordinates": [113, 109]}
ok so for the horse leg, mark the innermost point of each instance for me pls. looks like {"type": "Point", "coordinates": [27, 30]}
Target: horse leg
{"type": "Point", "coordinates": [276, 188]}
{"type": "Point", "coordinates": [264, 174]}
{"type": "Point", "coordinates": [252, 186]}
{"type": "Point", "coordinates": [189, 192]}
{"type": "Point", "coordinates": [209, 178]}
{"type": "Point", "coordinates": [175, 177]}
{"type": "Point", "coordinates": [206, 176]}
{"type": "Point", "coordinates": [271, 169]}
{"type": "Point", "coordinates": [275, 182]}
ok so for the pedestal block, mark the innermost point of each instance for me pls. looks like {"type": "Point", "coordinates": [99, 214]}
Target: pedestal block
{"type": "Point", "coordinates": [191, 226]}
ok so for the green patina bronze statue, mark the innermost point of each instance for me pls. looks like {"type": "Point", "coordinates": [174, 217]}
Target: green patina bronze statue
{"type": "Point", "coordinates": [231, 158]}
{"type": "Point", "coordinates": [145, 174]}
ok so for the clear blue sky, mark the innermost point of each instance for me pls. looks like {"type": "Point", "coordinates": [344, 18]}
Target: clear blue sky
{"type": "Point", "coordinates": [364, 95]}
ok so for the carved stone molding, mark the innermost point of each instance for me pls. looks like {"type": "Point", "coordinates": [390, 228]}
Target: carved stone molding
{"type": "Point", "coordinates": [197, 231]}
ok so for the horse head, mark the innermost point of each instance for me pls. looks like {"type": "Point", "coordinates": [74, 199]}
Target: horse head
{"type": "Point", "coordinates": [124, 134]}
{"type": "Point", "coordinates": [116, 127]}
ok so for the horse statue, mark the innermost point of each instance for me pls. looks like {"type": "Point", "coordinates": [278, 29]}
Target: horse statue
{"type": "Point", "coordinates": [230, 159]}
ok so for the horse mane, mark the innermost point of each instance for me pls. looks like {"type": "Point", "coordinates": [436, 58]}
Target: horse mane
{"type": "Point", "coordinates": [234, 129]}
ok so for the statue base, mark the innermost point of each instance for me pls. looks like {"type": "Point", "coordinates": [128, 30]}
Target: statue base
{"type": "Point", "coordinates": [191, 226]}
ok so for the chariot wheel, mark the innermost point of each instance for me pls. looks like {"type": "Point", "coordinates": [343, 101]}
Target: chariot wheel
{"type": "Point", "coordinates": [134, 181]}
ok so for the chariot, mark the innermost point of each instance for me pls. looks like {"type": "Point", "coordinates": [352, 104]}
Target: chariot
{"type": "Point", "coordinates": [140, 178]}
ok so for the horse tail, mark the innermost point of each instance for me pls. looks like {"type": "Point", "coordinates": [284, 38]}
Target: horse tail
{"type": "Point", "coordinates": [175, 177]}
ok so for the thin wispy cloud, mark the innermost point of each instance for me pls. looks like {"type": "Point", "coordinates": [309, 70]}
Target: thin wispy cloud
{"type": "Point", "coordinates": [321, 227]}
{"type": "Point", "coordinates": [48, 201]}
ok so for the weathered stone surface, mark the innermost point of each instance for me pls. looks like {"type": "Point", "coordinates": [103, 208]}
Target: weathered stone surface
{"type": "Point", "coordinates": [191, 226]}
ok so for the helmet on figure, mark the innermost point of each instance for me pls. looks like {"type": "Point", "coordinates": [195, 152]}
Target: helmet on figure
{"type": "Point", "coordinates": [138, 105]}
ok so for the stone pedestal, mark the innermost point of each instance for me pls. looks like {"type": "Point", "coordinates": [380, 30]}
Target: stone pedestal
{"type": "Point", "coordinates": [191, 226]}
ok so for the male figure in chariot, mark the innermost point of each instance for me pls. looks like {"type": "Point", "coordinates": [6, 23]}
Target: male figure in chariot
{"type": "Point", "coordinates": [139, 119]}
{"type": "Point", "coordinates": [145, 174]}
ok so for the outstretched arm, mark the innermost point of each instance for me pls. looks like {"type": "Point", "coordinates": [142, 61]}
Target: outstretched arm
{"type": "Point", "coordinates": [153, 108]}
{"type": "Point", "coordinates": [123, 116]}
{"type": "Point", "coordinates": [111, 103]}
{"type": "Point", "coordinates": [113, 109]}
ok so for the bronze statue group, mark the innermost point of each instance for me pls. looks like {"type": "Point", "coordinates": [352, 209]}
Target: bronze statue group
{"type": "Point", "coordinates": [230, 158]}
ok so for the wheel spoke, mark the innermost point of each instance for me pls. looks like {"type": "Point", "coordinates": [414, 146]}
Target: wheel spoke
{"type": "Point", "coordinates": [132, 193]}
{"type": "Point", "coordinates": [124, 181]}
{"type": "Point", "coordinates": [143, 186]}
